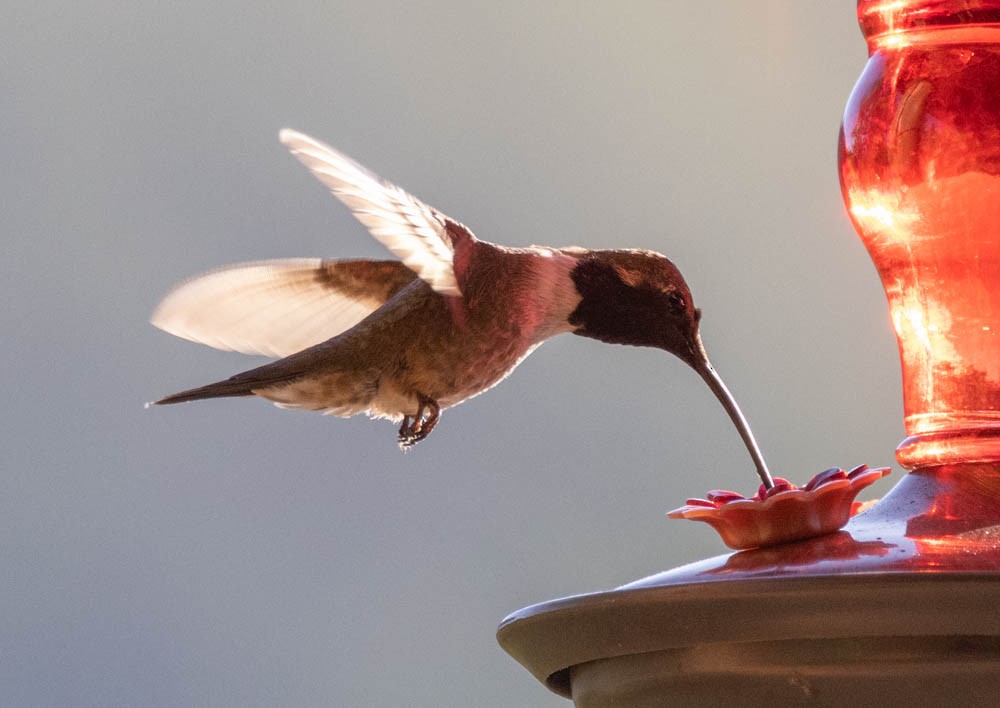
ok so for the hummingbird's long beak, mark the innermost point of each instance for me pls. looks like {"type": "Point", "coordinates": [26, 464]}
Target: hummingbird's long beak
{"type": "Point", "coordinates": [704, 367]}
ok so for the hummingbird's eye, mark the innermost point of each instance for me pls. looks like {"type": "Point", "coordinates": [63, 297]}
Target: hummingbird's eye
{"type": "Point", "coordinates": [676, 304]}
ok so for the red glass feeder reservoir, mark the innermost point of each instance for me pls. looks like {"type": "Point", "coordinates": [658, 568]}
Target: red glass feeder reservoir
{"type": "Point", "coordinates": [920, 171]}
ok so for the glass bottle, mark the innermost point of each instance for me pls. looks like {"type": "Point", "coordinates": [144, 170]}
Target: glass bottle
{"type": "Point", "coordinates": [920, 174]}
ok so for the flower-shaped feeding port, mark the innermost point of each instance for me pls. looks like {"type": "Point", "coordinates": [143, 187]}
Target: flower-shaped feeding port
{"type": "Point", "coordinates": [784, 512]}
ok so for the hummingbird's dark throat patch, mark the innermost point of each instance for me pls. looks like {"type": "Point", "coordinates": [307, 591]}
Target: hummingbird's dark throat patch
{"type": "Point", "coordinates": [628, 298]}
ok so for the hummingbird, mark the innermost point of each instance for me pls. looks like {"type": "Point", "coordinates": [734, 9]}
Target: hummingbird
{"type": "Point", "coordinates": [405, 339]}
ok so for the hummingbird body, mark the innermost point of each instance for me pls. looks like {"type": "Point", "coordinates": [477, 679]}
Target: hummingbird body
{"type": "Point", "coordinates": [406, 339]}
{"type": "Point", "coordinates": [421, 345]}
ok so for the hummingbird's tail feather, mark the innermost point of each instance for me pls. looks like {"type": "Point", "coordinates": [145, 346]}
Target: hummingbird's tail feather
{"type": "Point", "coordinates": [244, 384]}
{"type": "Point", "coordinates": [220, 389]}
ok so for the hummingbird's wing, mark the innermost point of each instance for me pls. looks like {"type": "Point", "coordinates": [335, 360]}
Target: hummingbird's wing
{"type": "Point", "coordinates": [412, 230]}
{"type": "Point", "coordinates": [278, 307]}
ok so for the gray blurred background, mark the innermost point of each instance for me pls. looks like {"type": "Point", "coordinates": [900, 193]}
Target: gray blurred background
{"type": "Point", "coordinates": [232, 554]}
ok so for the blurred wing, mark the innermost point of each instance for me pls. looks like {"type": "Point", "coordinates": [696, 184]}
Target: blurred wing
{"type": "Point", "coordinates": [278, 307]}
{"type": "Point", "coordinates": [412, 230]}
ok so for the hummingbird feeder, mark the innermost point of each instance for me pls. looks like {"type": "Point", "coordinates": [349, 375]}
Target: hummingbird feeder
{"type": "Point", "coordinates": [901, 606]}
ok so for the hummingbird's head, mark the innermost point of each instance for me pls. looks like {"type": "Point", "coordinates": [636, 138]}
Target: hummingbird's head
{"type": "Point", "coordinates": [638, 298]}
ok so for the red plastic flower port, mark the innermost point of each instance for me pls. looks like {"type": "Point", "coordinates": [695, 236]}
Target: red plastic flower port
{"type": "Point", "coordinates": [785, 512]}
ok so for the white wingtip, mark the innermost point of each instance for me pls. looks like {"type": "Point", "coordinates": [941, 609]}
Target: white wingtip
{"type": "Point", "coordinates": [289, 135]}
{"type": "Point", "coordinates": [273, 308]}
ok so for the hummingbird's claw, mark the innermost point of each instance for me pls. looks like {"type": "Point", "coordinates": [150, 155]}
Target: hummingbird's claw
{"type": "Point", "coordinates": [417, 427]}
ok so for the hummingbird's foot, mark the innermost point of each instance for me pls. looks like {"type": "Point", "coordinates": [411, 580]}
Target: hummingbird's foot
{"type": "Point", "coordinates": [417, 427]}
